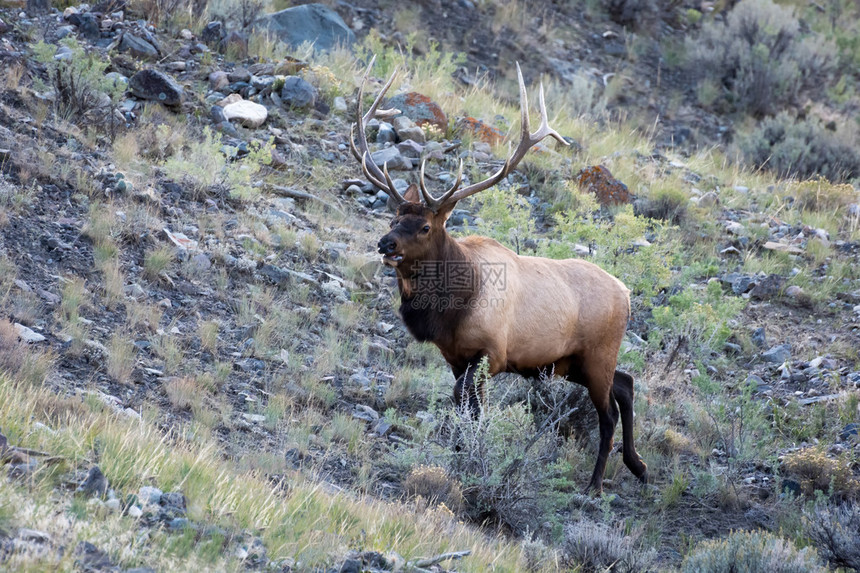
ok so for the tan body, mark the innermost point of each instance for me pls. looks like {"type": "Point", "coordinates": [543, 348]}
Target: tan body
{"type": "Point", "coordinates": [583, 313]}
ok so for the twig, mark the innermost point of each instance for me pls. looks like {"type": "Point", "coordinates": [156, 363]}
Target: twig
{"type": "Point", "coordinates": [430, 561]}
{"type": "Point", "coordinates": [296, 194]}
{"type": "Point", "coordinates": [673, 354]}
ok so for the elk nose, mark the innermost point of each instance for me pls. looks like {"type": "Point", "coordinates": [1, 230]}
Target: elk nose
{"type": "Point", "coordinates": [386, 245]}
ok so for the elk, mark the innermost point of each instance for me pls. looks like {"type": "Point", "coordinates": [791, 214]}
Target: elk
{"type": "Point", "coordinates": [476, 299]}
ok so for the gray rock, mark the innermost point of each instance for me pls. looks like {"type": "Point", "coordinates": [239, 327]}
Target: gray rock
{"type": "Point", "coordinates": [239, 75]}
{"type": "Point", "coordinates": [216, 114]}
{"type": "Point", "coordinates": [298, 93]}
{"type": "Point", "coordinates": [65, 32]}
{"type": "Point", "coordinates": [385, 133]}
{"type": "Point", "coordinates": [759, 337]}
{"type": "Point", "coordinates": [850, 431]}
{"type": "Point", "coordinates": [407, 130]}
{"type": "Point", "coordinates": [410, 148]}
{"type": "Point", "coordinates": [150, 495]}
{"type": "Point", "coordinates": [394, 159]}
{"type": "Point", "coordinates": [137, 47]}
{"type": "Point", "coordinates": [261, 83]}
{"type": "Point", "coordinates": [218, 80]}
{"type": "Point", "coordinates": [709, 199]}
{"type": "Point", "coordinates": [351, 566]}
{"type": "Point", "coordinates": [767, 287]}
{"type": "Point", "coordinates": [156, 86]}
{"type": "Point", "coordinates": [213, 33]}
{"type": "Point", "coordinates": [95, 484]}
{"type": "Point", "coordinates": [314, 23]}
{"type": "Point", "coordinates": [88, 26]}
{"type": "Point", "coordinates": [742, 284]}
{"type": "Point", "coordinates": [88, 557]}
{"type": "Point", "coordinates": [777, 354]}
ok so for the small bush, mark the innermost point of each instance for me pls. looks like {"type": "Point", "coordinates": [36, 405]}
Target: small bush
{"type": "Point", "coordinates": [758, 54]}
{"type": "Point", "coordinates": [751, 552]}
{"type": "Point", "coordinates": [817, 472]}
{"type": "Point", "coordinates": [434, 485]}
{"type": "Point", "coordinates": [801, 148]}
{"type": "Point", "coordinates": [834, 531]}
{"type": "Point", "coordinates": [668, 204]}
{"type": "Point", "coordinates": [818, 194]}
{"type": "Point", "coordinates": [81, 91]}
{"type": "Point", "coordinates": [597, 547]}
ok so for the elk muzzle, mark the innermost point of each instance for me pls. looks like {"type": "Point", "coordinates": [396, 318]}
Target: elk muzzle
{"type": "Point", "coordinates": [387, 247]}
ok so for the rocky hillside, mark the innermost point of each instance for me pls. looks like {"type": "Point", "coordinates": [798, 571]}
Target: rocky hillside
{"type": "Point", "coordinates": [202, 367]}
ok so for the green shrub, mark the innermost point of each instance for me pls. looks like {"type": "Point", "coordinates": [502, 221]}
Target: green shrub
{"type": "Point", "coordinates": [619, 246]}
{"type": "Point", "coordinates": [81, 92]}
{"type": "Point", "coordinates": [750, 552]}
{"type": "Point", "coordinates": [760, 57]}
{"type": "Point", "coordinates": [802, 148]}
{"type": "Point", "coordinates": [702, 318]}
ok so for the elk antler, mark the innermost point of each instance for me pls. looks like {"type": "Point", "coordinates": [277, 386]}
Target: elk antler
{"type": "Point", "coordinates": [527, 140]}
{"type": "Point", "coordinates": [379, 177]}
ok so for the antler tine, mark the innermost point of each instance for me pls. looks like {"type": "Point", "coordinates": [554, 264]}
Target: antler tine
{"type": "Point", "coordinates": [431, 201]}
{"type": "Point", "coordinates": [377, 177]}
{"type": "Point", "coordinates": [527, 140]}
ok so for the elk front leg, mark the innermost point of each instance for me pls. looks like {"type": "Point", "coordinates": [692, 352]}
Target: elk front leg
{"type": "Point", "coordinates": [466, 391]}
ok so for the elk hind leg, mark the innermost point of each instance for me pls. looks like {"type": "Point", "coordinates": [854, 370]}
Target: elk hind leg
{"type": "Point", "coordinates": [622, 392]}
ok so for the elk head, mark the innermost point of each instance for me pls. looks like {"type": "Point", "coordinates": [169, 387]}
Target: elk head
{"type": "Point", "coordinates": [418, 229]}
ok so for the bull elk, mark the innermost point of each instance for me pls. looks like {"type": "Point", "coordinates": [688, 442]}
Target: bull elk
{"type": "Point", "coordinates": [474, 298]}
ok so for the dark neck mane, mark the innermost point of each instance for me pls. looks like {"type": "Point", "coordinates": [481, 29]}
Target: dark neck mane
{"type": "Point", "coordinates": [438, 294]}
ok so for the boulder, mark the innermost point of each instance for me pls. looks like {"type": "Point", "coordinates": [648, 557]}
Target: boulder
{"type": "Point", "coordinates": [313, 23]}
{"type": "Point", "coordinates": [156, 86]}
{"type": "Point", "coordinates": [137, 47]}
{"type": "Point", "coordinates": [420, 109]}
{"type": "Point", "coordinates": [298, 93]}
{"type": "Point", "coordinates": [598, 179]}
{"type": "Point", "coordinates": [247, 113]}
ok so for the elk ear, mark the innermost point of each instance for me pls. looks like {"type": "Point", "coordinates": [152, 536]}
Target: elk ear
{"type": "Point", "coordinates": [411, 194]}
{"type": "Point", "coordinates": [445, 210]}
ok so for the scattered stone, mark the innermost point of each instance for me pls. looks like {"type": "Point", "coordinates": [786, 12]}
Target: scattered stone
{"type": "Point", "coordinates": [150, 495]}
{"type": "Point", "coordinates": [777, 354]}
{"type": "Point", "coordinates": [420, 109]}
{"type": "Point", "coordinates": [247, 113]}
{"type": "Point", "coordinates": [213, 33]}
{"type": "Point", "coordinates": [392, 156]}
{"type": "Point", "coordinates": [709, 199]}
{"type": "Point", "coordinates": [759, 338]}
{"type": "Point", "coordinates": [850, 431]}
{"type": "Point", "coordinates": [407, 130]}
{"type": "Point", "coordinates": [800, 296]}
{"type": "Point", "coordinates": [314, 23]}
{"type": "Point", "coordinates": [366, 413]}
{"type": "Point", "coordinates": [89, 558]}
{"type": "Point", "coordinates": [297, 93]}
{"type": "Point", "coordinates": [95, 484]}
{"type": "Point", "coordinates": [480, 130]}
{"type": "Point", "coordinates": [28, 335]}
{"type": "Point", "coordinates": [385, 133]}
{"type": "Point", "coordinates": [782, 248]}
{"type": "Point", "coordinates": [767, 288]}
{"type": "Point", "coordinates": [735, 228]}
{"type": "Point", "coordinates": [137, 47]}
{"type": "Point", "coordinates": [598, 179]}
{"type": "Point", "coordinates": [156, 86]}
{"type": "Point", "coordinates": [181, 241]}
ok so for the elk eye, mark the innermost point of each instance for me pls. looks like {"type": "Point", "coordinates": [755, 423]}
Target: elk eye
{"type": "Point", "coordinates": [426, 229]}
